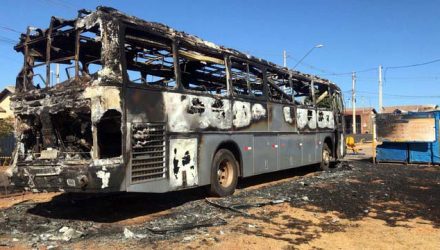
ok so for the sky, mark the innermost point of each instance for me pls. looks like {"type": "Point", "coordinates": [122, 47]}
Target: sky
{"type": "Point", "coordinates": [357, 36]}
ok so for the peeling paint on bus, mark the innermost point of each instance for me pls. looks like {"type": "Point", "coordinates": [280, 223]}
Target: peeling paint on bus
{"type": "Point", "coordinates": [241, 114]}
{"type": "Point", "coordinates": [326, 119]}
{"type": "Point", "coordinates": [183, 167]}
{"type": "Point", "coordinates": [301, 118]}
{"type": "Point", "coordinates": [258, 111]}
{"type": "Point", "coordinates": [102, 99]}
{"type": "Point", "coordinates": [287, 115]}
{"type": "Point", "coordinates": [188, 113]}
{"type": "Point", "coordinates": [104, 176]}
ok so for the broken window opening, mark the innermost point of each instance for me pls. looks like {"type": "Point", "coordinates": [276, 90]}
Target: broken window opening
{"type": "Point", "coordinates": [30, 128]}
{"type": "Point", "coordinates": [68, 132]}
{"type": "Point", "coordinates": [279, 87]}
{"type": "Point", "coordinates": [39, 76]}
{"type": "Point", "coordinates": [202, 73]}
{"type": "Point", "coordinates": [149, 59]}
{"type": "Point", "coordinates": [247, 79]}
{"type": "Point", "coordinates": [322, 96]}
{"type": "Point", "coordinates": [53, 60]}
{"type": "Point", "coordinates": [90, 47]}
{"type": "Point", "coordinates": [109, 135]}
{"type": "Point", "coordinates": [73, 130]}
{"type": "Point", "coordinates": [302, 93]}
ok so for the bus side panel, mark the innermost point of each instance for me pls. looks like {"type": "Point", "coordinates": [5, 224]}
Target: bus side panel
{"type": "Point", "coordinates": [290, 151]}
{"type": "Point", "coordinates": [282, 118]}
{"type": "Point", "coordinates": [308, 148]}
{"type": "Point", "coordinates": [265, 153]}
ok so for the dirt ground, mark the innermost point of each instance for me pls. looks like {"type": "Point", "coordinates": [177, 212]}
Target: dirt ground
{"type": "Point", "coordinates": [357, 205]}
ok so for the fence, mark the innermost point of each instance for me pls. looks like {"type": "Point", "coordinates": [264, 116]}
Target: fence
{"type": "Point", "coordinates": [7, 144]}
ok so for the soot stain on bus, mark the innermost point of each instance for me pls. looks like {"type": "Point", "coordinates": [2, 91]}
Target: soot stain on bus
{"type": "Point", "coordinates": [59, 125]}
{"type": "Point", "coordinates": [95, 130]}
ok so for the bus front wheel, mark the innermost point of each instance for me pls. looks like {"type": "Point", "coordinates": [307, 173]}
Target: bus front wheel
{"type": "Point", "coordinates": [224, 173]}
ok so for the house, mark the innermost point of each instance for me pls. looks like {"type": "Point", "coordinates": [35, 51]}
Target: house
{"type": "Point", "coordinates": [5, 95]}
{"type": "Point", "coordinates": [410, 108]}
{"type": "Point", "coordinates": [7, 140]}
{"type": "Point", "coordinates": [364, 123]}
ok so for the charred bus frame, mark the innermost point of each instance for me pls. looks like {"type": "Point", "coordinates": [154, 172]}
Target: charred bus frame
{"type": "Point", "coordinates": [164, 110]}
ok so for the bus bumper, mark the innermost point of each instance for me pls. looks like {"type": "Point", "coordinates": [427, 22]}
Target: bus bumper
{"type": "Point", "coordinates": [71, 178]}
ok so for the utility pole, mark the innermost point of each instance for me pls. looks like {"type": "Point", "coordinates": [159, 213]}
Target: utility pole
{"type": "Point", "coordinates": [284, 58]}
{"type": "Point", "coordinates": [57, 72]}
{"type": "Point", "coordinates": [380, 90]}
{"type": "Point", "coordinates": [353, 100]}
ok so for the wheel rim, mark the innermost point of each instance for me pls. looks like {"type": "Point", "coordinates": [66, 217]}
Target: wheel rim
{"type": "Point", "coordinates": [326, 157]}
{"type": "Point", "coordinates": [225, 173]}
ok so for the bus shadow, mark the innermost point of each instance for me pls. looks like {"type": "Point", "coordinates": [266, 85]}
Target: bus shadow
{"type": "Point", "coordinates": [267, 178]}
{"type": "Point", "coordinates": [107, 208]}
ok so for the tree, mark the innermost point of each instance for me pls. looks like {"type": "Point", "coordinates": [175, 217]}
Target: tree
{"type": "Point", "coordinates": [6, 126]}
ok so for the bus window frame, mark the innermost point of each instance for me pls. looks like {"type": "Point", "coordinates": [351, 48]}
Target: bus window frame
{"type": "Point", "coordinates": [330, 94]}
{"type": "Point", "coordinates": [125, 76]}
{"type": "Point", "coordinates": [294, 98]}
{"type": "Point", "coordinates": [201, 51]}
{"type": "Point", "coordinates": [264, 96]}
{"type": "Point", "coordinates": [283, 100]}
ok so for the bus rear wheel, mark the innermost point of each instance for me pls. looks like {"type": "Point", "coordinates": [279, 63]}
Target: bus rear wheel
{"type": "Point", "coordinates": [326, 158]}
{"type": "Point", "coordinates": [224, 173]}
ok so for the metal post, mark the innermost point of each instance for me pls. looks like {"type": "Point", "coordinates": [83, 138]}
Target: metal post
{"type": "Point", "coordinates": [373, 119]}
{"type": "Point", "coordinates": [284, 59]}
{"type": "Point", "coordinates": [380, 90]}
{"type": "Point", "coordinates": [57, 72]}
{"type": "Point", "coordinates": [353, 100]}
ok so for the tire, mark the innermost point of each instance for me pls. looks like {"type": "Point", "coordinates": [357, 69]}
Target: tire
{"type": "Point", "coordinates": [326, 156]}
{"type": "Point", "coordinates": [224, 173]}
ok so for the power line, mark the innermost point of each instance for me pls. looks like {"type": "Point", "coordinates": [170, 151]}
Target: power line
{"type": "Point", "coordinates": [413, 65]}
{"type": "Point", "coordinates": [408, 66]}
{"type": "Point", "coordinates": [8, 40]}
{"type": "Point", "coordinates": [9, 29]}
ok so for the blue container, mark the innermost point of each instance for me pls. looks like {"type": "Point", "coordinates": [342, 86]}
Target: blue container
{"type": "Point", "coordinates": [436, 144]}
{"type": "Point", "coordinates": [392, 152]}
{"type": "Point", "coordinates": [413, 152]}
{"type": "Point", "coordinates": [420, 152]}
{"type": "Point", "coordinates": [428, 152]}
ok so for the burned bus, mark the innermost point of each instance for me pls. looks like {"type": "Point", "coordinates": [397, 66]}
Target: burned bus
{"type": "Point", "coordinates": [109, 102]}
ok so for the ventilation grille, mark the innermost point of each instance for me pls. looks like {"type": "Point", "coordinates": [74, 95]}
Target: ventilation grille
{"type": "Point", "coordinates": [148, 152]}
